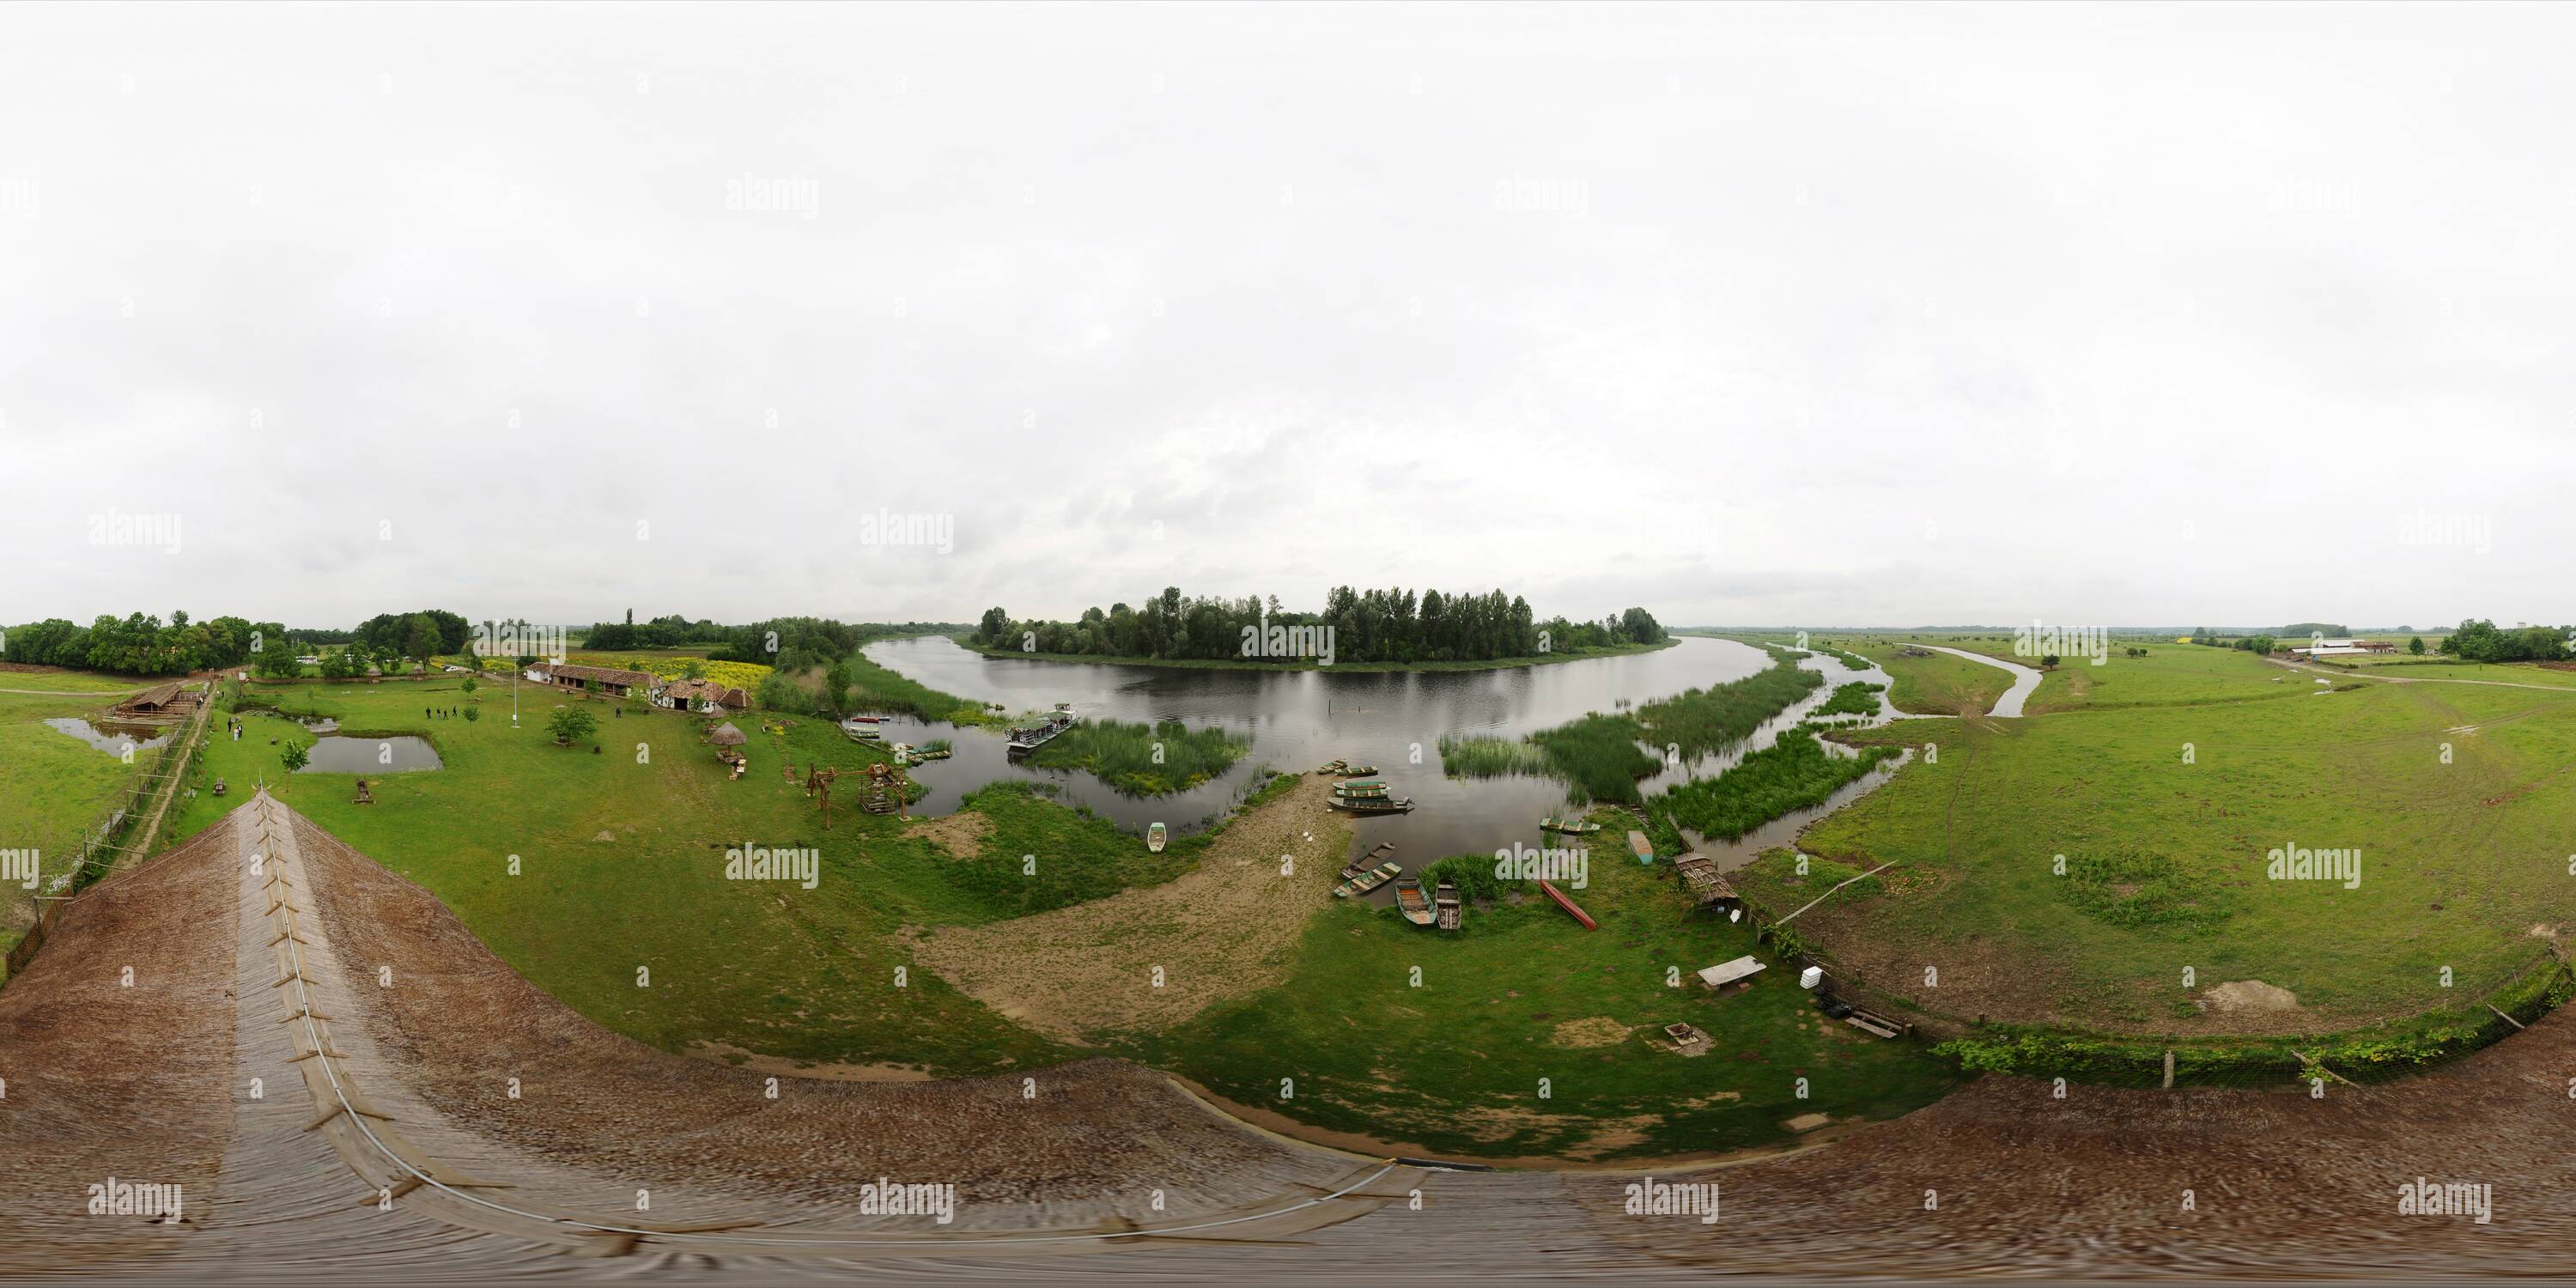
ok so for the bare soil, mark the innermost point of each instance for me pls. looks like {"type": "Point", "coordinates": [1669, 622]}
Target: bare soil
{"type": "Point", "coordinates": [1221, 931]}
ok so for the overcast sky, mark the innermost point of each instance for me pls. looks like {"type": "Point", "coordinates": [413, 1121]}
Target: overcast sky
{"type": "Point", "coordinates": [1831, 315]}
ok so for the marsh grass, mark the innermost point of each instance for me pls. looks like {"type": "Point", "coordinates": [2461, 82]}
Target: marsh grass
{"type": "Point", "coordinates": [1144, 760]}
{"type": "Point", "coordinates": [1480, 757]}
{"type": "Point", "coordinates": [1854, 699]}
{"type": "Point", "coordinates": [1792, 774]}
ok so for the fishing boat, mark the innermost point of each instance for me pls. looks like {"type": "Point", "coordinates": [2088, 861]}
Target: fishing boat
{"type": "Point", "coordinates": [1445, 901]}
{"type": "Point", "coordinates": [1373, 804]}
{"type": "Point", "coordinates": [1155, 837]}
{"type": "Point", "coordinates": [1641, 847]}
{"type": "Point", "coordinates": [1572, 827]}
{"type": "Point", "coordinates": [1409, 901]}
{"type": "Point", "coordinates": [1354, 771]}
{"type": "Point", "coordinates": [1367, 881]}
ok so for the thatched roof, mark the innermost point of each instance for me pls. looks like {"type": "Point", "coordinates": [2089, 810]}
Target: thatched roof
{"type": "Point", "coordinates": [151, 699]}
{"type": "Point", "coordinates": [602, 674]}
{"type": "Point", "coordinates": [727, 736]}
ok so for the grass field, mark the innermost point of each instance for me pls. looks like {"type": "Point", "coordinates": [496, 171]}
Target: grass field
{"type": "Point", "coordinates": [2463, 864]}
{"type": "Point", "coordinates": [53, 788]}
{"type": "Point", "coordinates": [49, 680]}
{"type": "Point", "coordinates": [1522, 994]}
{"type": "Point", "coordinates": [1939, 684]}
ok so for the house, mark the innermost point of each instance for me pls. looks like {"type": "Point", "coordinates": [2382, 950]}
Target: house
{"type": "Point", "coordinates": [706, 697]}
{"type": "Point", "coordinates": [2345, 648]}
{"type": "Point", "coordinates": [607, 680]}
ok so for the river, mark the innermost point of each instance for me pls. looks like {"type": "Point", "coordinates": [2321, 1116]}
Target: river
{"type": "Point", "coordinates": [1298, 720]}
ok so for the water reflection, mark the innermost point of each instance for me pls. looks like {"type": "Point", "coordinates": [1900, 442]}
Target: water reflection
{"type": "Point", "coordinates": [397, 755]}
{"type": "Point", "coordinates": [114, 739]}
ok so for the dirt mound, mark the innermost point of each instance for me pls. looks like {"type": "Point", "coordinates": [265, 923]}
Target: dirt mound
{"type": "Point", "coordinates": [1598, 1031]}
{"type": "Point", "coordinates": [961, 834]}
{"type": "Point", "coordinates": [110, 1079]}
{"type": "Point", "coordinates": [1221, 931]}
{"type": "Point", "coordinates": [2244, 995]}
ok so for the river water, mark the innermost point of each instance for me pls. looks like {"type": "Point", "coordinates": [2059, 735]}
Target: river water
{"type": "Point", "coordinates": [1298, 720]}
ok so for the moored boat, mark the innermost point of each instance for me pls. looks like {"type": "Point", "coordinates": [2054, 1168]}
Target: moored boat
{"type": "Point", "coordinates": [1155, 837]}
{"type": "Point", "coordinates": [1641, 847]}
{"type": "Point", "coordinates": [1575, 827]}
{"type": "Point", "coordinates": [1353, 771]}
{"type": "Point", "coordinates": [1409, 901]}
{"type": "Point", "coordinates": [1367, 881]}
{"type": "Point", "coordinates": [1359, 789]}
{"type": "Point", "coordinates": [1445, 901]}
{"type": "Point", "coordinates": [1373, 804]}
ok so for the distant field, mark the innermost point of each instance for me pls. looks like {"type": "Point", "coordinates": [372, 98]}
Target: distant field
{"type": "Point", "coordinates": [1939, 684]}
{"type": "Point", "coordinates": [52, 788]}
{"type": "Point", "coordinates": [2463, 864]}
{"type": "Point", "coordinates": [53, 681]}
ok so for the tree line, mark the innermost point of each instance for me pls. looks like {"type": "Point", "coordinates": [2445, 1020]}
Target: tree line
{"type": "Point", "coordinates": [1367, 626]}
{"type": "Point", "coordinates": [2480, 640]}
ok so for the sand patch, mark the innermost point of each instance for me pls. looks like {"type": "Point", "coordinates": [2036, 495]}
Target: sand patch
{"type": "Point", "coordinates": [1808, 1122]}
{"type": "Point", "coordinates": [1598, 1031]}
{"type": "Point", "coordinates": [765, 1065]}
{"type": "Point", "coordinates": [2244, 995]}
{"type": "Point", "coordinates": [1223, 930]}
{"type": "Point", "coordinates": [961, 834]}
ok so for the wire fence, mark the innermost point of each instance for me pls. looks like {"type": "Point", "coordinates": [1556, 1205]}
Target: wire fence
{"type": "Point", "coordinates": [126, 825]}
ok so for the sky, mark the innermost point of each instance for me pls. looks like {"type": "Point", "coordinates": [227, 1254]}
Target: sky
{"type": "Point", "coordinates": [1833, 315]}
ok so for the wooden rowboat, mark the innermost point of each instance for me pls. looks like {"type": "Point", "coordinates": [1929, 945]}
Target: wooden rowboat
{"type": "Point", "coordinates": [1445, 900]}
{"type": "Point", "coordinates": [1573, 827]}
{"type": "Point", "coordinates": [1353, 771]}
{"type": "Point", "coordinates": [1367, 881]}
{"type": "Point", "coordinates": [1374, 804]}
{"type": "Point", "coordinates": [1409, 901]}
{"type": "Point", "coordinates": [1641, 847]}
{"type": "Point", "coordinates": [1155, 837]}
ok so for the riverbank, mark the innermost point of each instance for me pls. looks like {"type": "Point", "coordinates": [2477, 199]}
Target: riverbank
{"type": "Point", "coordinates": [1308, 664]}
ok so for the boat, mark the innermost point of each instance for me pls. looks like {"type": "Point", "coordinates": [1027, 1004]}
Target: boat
{"type": "Point", "coordinates": [1359, 789]}
{"type": "Point", "coordinates": [935, 749]}
{"type": "Point", "coordinates": [1331, 767]}
{"type": "Point", "coordinates": [1367, 881]}
{"type": "Point", "coordinates": [1445, 900]}
{"type": "Point", "coordinates": [1409, 901]}
{"type": "Point", "coordinates": [1363, 863]}
{"type": "Point", "coordinates": [1641, 847]}
{"type": "Point", "coordinates": [1374, 804]}
{"type": "Point", "coordinates": [1353, 771]}
{"type": "Point", "coordinates": [863, 735]}
{"type": "Point", "coordinates": [1155, 837]}
{"type": "Point", "coordinates": [1572, 827]}
{"type": "Point", "coordinates": [866, 720]}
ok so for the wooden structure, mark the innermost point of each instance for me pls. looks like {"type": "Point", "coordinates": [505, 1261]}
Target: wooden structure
{"type": "Point", "coordinates": [1409, 901]}
{"type": "Point", "coordinates": [887, 790]}
{"type": "Point", "coordinates": [160, 704]}
{"type": "Point", "coordinates": [1730, 972]}
{"type": "Point", "coordinates": [1445, 900]}
{"type": "Point", "coordinates": [1698, 875]}
{"type": "Point", "coordinates": [1568, 905]}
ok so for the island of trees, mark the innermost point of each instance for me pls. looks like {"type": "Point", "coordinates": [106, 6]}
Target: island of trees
{"type": "Point", "coordinates": [1367, 627]}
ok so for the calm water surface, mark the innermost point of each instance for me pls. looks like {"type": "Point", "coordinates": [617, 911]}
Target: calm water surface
{"type": "Point", "coordinates": [1298, 720]}
{"type": "Point", "coordinates": [400, 755]}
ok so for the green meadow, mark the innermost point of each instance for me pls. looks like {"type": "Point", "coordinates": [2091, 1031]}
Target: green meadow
{"type": "Point", "coordinates": [1454, 1059]}
{"type": "Point", "coordinates": [2166, 814]}
{"type": "Point", "coordinates": [55, 786]}
{"type": "Point", "coordinates": [1141, 759]}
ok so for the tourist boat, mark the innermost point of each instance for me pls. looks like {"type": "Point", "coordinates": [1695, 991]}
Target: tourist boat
{"type": "Point", "coordinates": [1367, 881]}
{"type": "Point", "coordinates": [1353, 771]}
{"type": "Point", "coordinates": [1374, 804]}
{"type": "Point", "coordinates": [1445, 900]}
{"type": "Point", "coordinates": [1641, 847]}
{"type": "Point", "coordinates": [1409, 901]}
{"type": "Point", "coordinates": [1573, 827]}
{"type": "Point", "coordinates": [1155, 836]}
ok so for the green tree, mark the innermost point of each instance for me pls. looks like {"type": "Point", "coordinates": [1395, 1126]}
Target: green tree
{"type": "Point", "coordinates": [469, 684]}
{"type": "Point", "coordinates": [2416, 646]}
{"type": "Point", "coordinates": [473, 713]}
{"type": "Point", "coordinates": [294, 756]}
{"type": "Point", "coordinates": [693, 669]}
{"type": "Point", "coordinates": [571, 725]}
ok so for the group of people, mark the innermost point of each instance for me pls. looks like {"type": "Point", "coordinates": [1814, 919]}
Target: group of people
{"type": "Point", "coordinates": [438, 713]}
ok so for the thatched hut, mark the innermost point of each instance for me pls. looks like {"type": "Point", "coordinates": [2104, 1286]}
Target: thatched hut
{"type": "Point", "coordinates": [726, 738]}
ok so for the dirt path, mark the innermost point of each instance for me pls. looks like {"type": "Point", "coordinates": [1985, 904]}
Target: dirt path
{"type": "Point", "coordinates": [1222, 931]}
{"type": "Point", "coordinates": [2313, 669]}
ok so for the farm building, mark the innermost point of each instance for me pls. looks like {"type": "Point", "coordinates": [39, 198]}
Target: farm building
{"type": "Point", "coordinates": [2346, 648]}
{"type": "Point", "coordinates": [705, 697]}
{"type": "Point", "coordinates": [157, 700]}
{"type": "Point", "coordinates": [608, 680]}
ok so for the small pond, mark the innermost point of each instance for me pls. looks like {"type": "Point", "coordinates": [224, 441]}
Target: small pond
{"type": "Point", "coordinates": [114, 739]}
{"type": "Point", "coordinates": [396, 755]}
